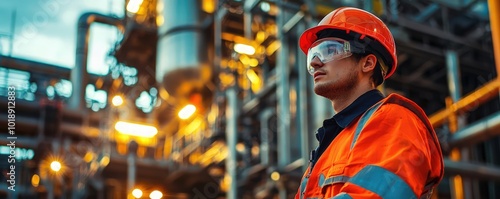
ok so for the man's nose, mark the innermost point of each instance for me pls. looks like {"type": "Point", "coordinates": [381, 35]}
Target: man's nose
{"type": "Point", "coordinates": [316, 63]}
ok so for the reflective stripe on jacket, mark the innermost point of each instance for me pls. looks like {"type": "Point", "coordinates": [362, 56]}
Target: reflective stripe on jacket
{"type": "Point", "coordinates": [391, 151]}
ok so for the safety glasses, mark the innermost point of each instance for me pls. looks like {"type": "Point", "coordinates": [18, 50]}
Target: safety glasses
{"type": "Point", "coordinates": [326, 50]}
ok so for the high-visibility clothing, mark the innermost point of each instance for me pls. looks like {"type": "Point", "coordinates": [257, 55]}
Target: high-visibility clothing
{"type": "Point", "coordinates": [391, 151]}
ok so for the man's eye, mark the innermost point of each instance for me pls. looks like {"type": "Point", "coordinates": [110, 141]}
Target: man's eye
{"type": "Point", "coordinates": [331, 50]}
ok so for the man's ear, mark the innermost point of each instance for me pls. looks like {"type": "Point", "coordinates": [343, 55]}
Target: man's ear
{"type": "Point", "coordinates": [369, 63]}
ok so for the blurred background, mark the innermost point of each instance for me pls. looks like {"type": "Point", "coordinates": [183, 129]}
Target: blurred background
{"type": "Point", "coordinates": [211, 99]}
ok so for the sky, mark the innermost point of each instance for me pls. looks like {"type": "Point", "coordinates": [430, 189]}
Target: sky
{"type": "Point", "coordinates": [45, 31]}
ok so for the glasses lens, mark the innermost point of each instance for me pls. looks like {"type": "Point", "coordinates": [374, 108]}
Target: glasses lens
{"type": "Point", "coordinates": [327, 50]}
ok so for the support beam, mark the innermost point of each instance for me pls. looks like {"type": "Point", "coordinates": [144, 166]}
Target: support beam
{"type": "Point", "coordinates": [247, 16]}
{"type": "Point", "coordinates": [426, 13]}
{"type": "Point", "coordinates": [422, 28]}
{"type": "Point", "coordinates": [467, 103]}
{"type": "Point", "coordinates": [293, 21]}
{"type": "Point", "coordinates": [476, 132]}
{"type": "Point", "coordinates": [231, 139]}
{"type": "Point", "coordinates": [283, 95]}
{"type": "Point", "coordinates": [79, 74]}
{"type": "Point", "coordinates": [472, 170]}
{"type": "Point", "coordinates": [494, 10]}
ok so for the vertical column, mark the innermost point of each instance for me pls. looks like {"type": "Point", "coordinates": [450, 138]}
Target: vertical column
{"type": "Point", "coordinates": [302, 113]}
{"type": "Point", "coordinates": [368, 5]}
{"type": "Point", "coordinates": [461, 187]}
{"type": "Point", "coordinates": [283, 89]}
{"type": "Point", "coordinates": [494, 11]}
{"type": "Point", "coordinates": [282, 93]}
{"type": "Point", "coordinates": [131, 167]}
{"type": "Point", "coordinates": [179, 37]}
{"type": "Point", "coordinates": [264, 136]}
{"type": "Point", "coordinates": [231, 139]}
{"type": "Point", "coordinates": [393, 6]}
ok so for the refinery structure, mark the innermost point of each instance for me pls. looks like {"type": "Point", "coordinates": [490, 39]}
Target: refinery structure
{"type": "Point", "coordinates": [212, 99]}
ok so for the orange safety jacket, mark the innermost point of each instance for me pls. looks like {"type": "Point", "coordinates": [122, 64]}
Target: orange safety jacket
{"type": "Point", "coordinates": [391, 151]}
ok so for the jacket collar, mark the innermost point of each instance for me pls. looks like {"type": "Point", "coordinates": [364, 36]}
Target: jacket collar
{"type": "Point", "coordinates": [355, 109]}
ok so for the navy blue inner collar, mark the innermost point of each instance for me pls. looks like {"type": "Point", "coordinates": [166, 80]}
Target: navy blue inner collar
{"type": "Point", "coordinates": [355, 109]}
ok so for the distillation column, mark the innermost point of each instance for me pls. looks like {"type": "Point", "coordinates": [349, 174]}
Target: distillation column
{"type": "Point", "coordinates": [179, 42]}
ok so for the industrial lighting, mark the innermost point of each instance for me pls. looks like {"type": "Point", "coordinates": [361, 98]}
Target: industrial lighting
{"type": "Point", "coordinates": [35, 180]}
{"type": "Point", "coordinates": [244, 49]}
{"type": "Point", "coordinates": [134, 129]}
{"type": "Point", "coordinates": [117, 100]}
{"type": "Point", "coordinates": [134, 5]}
{"type": "Point", "coordinates": [275, 176]}
{"type": "Point", "coordinates": [187, 111]}
{"type": "Point", "coordinates": [104, 161]}
{"type": "Point", "coordinates": [137, 193]}
{"type": "Point", "coordinates": [208, 6]}
{"type": "Point", "coordinates": [155, 194]}
{"type": "Point", "coordinates": [253, 77]}
{"type": "Point", "coordinates": [55, 166]}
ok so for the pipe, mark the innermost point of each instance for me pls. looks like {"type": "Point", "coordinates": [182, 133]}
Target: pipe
{"type": "Point", "coordinates": [460, 186]}
{"type": "Point", "coordinates": [476, 132]}
{"type": "Point", "coordinates": [231, 138]}
{"type": "Point", "coordinates": [79, 75]}
{"type": "Point", "coordinates": [467, 103]}
{"type": "Point", "coordinates": [494, 10]}
{"type": "Point", "coordinates": [283, 93]}
{"type": "Point", "coordinates": [265, 131]}
{"type": "Point", "coordinates": [247, 17]}
{"type": "Point", "coordinates": [302, 109]}
{"type": "Point", "coordinates": [472, 170]}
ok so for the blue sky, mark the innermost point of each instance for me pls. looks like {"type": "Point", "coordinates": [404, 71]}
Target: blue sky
{"type": "Point", "coordinates": [45, 30]}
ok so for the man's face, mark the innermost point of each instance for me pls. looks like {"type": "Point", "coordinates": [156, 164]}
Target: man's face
{"type": "Point", "coordinates": [335, 78]}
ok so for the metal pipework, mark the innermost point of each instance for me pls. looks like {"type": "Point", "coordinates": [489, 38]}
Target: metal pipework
{"type": "Point", "coordinates": [79, 75]}
{"type": "Point", "coordinates": [472, 100]}
{"type": "Point", "coordinates": [472, 170]}
{"type": "Point", "coordinates": [232, 113]}
{"type": "Point", "coordinates": [478, 131]}
{"type": "Point", "coordinates": [494, 10]}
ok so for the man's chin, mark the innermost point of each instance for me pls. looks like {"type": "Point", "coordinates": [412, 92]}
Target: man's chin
{"type": "Point", "coordinates": [321, 90]}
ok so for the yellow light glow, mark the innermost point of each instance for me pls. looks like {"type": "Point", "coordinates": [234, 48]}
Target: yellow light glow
{"type": "Point", "coordinates": [134, 5]}
{"type": "Point", "coordinates": [275, 176]}
{"type": "Point", "coordinates": [35, 180]}
{"type": "Point", "coordinates": [192, 127]}
{"type": "Point", "coordinates": [255, 151]}
{"type": "Point", "coordinates": [55, 166]}
{"type": "Point", "coordinates": [208, 6]}
{"type": "Point", "coordinates": [155, 194]}
{"type": "Point", "coordinates": [139, 130]}
{"type": "Point", "coordinates": [260, 37]}
{"type": "Point", "coordinates": [104, 161]}
{"type": "Point", "coordinates": [240, 147]}
{"type": "Point", "coordinates": [160, 20]}
{"type": "Point", "coordinates": [273, 47]}
{"type": "Point", "coordinates": [245, 59]}
{"type": "Point", "coordinates": [137, 193]}
{"type": "Point", "coordinates": [187, 111]}
{"type": "Point", "coordinates": [253, 62]}
{"type": "Point", "coordinates": [253, 77]}
{"type": "Point", "coordinates": [88, 157]}
{"type": "Point", "coordinates": [159, 7]}
{"type": "Point", "coordinates": [244, 49]}
{"type": "Point", "coordinates": [164, 94]}
{"type": "Point", "coordinates": [117, 100]}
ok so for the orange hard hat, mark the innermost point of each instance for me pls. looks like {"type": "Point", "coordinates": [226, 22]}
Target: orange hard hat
{"type": "Point", "coordinates": [354, 20]}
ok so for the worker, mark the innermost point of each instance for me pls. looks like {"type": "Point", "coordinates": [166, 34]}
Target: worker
{"type": "Point", "coordinates": [374, 146]}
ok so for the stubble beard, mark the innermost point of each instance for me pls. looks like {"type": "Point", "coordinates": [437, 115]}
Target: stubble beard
{"type": "Point", "coordinates": [336, 89]}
